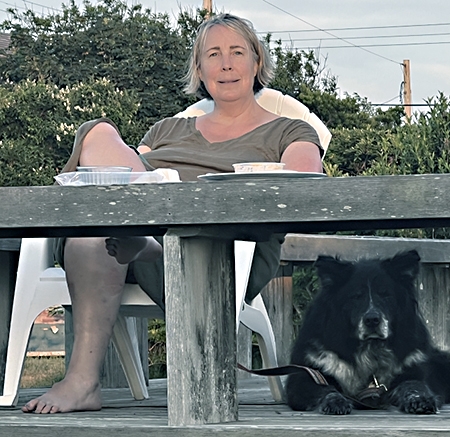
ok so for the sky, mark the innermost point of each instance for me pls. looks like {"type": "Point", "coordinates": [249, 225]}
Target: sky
{"type": "Point", "coordinates": [362, 42]}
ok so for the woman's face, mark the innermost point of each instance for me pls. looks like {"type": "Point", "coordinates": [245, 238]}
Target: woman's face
{"type": "Point", "coordinates": [227, 65]}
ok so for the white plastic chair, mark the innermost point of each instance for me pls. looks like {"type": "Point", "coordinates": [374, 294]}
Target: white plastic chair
{"type": "Point", "coordinates": [276, 102]}
{"type": "Point", "coordinates": [40, 285]}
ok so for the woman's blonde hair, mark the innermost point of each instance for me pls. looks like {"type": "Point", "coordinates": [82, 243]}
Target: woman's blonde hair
{"type": "Point", "coordinates": [244, 28]}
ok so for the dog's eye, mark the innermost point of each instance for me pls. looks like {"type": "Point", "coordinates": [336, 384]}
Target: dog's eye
{"type": "Point", "coordinates": [356, 295]}
{"type": "Point", "coordinates": [384, 293]}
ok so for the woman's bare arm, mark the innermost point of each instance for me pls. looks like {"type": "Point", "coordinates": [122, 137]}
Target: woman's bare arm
{"type": "Point", "coordinates": [302, 156]}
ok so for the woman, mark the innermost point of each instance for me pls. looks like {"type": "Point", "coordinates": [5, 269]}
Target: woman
{"type": "Point", "coordinates": [229, 65]}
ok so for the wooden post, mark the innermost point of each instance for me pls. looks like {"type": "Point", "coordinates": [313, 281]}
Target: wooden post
{"type": "Point", "coordinates": [407, 88]}
{"type": "Point", "coordinates": [277, 295]}
{"type": "Point", "coordinates": [201, 332]}
{"type": "Point", "coordinates": [207, 4]}
{"type": "Point", "coordinates": [244, 351]}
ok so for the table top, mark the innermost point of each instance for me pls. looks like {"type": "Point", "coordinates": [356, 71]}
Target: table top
{"type": "Point", "coordinates": [230, 209]}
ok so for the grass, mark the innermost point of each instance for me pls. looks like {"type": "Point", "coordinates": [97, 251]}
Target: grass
{"type": "Point", "coordinates": [42, 371]}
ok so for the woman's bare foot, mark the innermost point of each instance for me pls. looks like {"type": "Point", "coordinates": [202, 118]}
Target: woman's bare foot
{"type": "Point", "coordinates": [128, 249]}
{"type": "Point", "coordinates": [71, 394]}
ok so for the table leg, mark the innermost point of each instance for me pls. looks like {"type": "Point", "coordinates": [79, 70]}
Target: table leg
{"type": "Point", "coordinates": [201, 334]}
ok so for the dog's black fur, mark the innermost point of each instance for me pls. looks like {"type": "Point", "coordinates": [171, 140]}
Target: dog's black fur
{"type": "Point", "coordinates": [365, 323]}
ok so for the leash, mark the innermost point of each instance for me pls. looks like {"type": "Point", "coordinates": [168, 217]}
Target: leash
{"type": "Point", "coordinates": [287, 370]}
{"type": "Point", "coordinates": [372, 397]}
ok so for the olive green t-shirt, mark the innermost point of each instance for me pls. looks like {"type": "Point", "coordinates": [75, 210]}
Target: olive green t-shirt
{"type": "Point", "coordinates": [177, 144]}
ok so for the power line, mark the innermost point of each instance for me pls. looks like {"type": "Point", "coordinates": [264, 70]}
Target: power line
{"type": "Point", "coordinates": [403, 104]}
{"type": "Point", "coordinates": [411, 35]}
{"type": "Point", "coordinates": [376, 45]}
{"type": "Point", "coordinates": [43, 6]}
{"type": "Point", "coordinates": [394, 26]}
{"type": "Point", "coordinates": [390, 100]}
{"type": "Point", "coordinates": [329, 33]}
{"type": "Point", "coordinates": [15, 6]}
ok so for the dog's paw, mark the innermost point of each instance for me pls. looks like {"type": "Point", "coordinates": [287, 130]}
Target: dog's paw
{"type": "Point", "coordinates": [415, 402]}
{"type": "Point", "coordinates": [335, 403]}
{"type": "Point", "coordinates": [415, 397]}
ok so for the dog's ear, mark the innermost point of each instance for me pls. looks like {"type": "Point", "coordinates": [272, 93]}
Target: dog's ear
{"type": "Point", "coordinates": [332, 271]}
{"type": "Point", "coordinates": [404, 264]}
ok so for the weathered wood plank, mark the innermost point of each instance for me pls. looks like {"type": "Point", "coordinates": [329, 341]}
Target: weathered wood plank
{"type": "Point", "coordinates": [244, 351]}
{"type": "Point", "coordinates": [257, 418]}
{"type": "Point", "coordinates": [278, 298]}
{"type": "Point", "coordinates": [294, 205]}
{"type": "Point", "coordinates": [306, 248]}
{"type": "Point", "coordinates": [201, 334]}
{"type": "Point", "coordinates": [10, 244]}
{"type": "Point", "coordinates": [434, 298]}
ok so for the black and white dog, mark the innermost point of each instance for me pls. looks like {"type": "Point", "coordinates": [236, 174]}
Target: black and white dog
{"type": "Point", "coordinates": [364, 334]}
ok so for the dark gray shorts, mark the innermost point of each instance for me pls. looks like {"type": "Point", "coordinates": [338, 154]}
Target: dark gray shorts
{"type": "Point", "coordinates": [150, 276]}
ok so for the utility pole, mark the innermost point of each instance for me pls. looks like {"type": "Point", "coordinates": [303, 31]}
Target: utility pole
{"type": "Point", "coordinates": [207, 4]}
{"type": "Point", "coordinates": [407, 88]}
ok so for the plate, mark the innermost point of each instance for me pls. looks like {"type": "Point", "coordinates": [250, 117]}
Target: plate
{"type": "Point", "coordinates": [279, 174]}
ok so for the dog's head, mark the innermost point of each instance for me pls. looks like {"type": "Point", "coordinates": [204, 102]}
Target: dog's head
{"type": "Point", "coordinates": [370, 296]}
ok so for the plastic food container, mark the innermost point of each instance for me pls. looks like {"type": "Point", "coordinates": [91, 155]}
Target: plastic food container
{"type": "Point", "coordinates": [104, 168]}
{"type": "Point", "coordinates": [253, 167]}
{"type": "Point", "coordinates": [81, 178]}
{"type": "Point", "coordinates": [104, 175]}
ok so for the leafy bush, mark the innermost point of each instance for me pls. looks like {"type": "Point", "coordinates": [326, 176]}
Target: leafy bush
{"type": "Point", "coordinates": [157, 349]}
{"type": "Point", "coordinates": [419, 147]}
{"type": "Point", "coordinates": [131, 47]}
{"type": "Point", "coordinates": [38, 122]}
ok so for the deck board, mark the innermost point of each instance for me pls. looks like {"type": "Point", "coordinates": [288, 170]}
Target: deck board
{"type": "Point", "coordinates": [259, 416]}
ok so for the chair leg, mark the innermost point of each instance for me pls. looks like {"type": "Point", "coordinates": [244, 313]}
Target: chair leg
{"type": "Point", "coordinates": [17, 347]}
{"type": "Point", "coordinates": [255, 317]}
{"type": "Point", "coordinates": [243, 258]}
{"type": "Point", "coordinates": [19, 334]}
{"type": "Point", "coordinates": [26, 307]}
{"type": "Point", "coordinates": [125, 341]}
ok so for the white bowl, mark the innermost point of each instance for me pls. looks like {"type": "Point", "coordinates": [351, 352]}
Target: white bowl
{"type": "Point", "coordinates": [252, 167]}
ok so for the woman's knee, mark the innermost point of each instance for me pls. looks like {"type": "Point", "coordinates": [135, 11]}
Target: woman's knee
{"type": "Point", "coordinates": [86, 259]}
{"type": "Point", "coordinates": [87, 252]}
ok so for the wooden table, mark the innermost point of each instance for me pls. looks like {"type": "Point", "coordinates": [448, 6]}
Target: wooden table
{"type": "Point", "coordinates": [199, 221]}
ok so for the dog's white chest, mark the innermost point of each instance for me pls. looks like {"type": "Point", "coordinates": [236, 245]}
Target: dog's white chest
{"type": "Point", "coordinates": [369, 364]}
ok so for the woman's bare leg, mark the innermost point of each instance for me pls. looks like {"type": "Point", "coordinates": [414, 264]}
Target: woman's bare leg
{"type": "Point", "coordinates": [128, 249]}
{"type": "Point", "coordinates": [95, 281]}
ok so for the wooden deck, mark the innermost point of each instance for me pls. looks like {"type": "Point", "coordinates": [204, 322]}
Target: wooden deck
{"type": "Point", "coordinates": [258, 416]}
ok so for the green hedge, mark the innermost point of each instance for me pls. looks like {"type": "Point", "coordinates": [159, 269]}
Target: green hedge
{"type": "Point", "coordinates": [38, 122]}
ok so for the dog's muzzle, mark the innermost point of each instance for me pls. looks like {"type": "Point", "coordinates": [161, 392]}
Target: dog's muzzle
{"type": "Point", "coordinates": [373, 324]}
